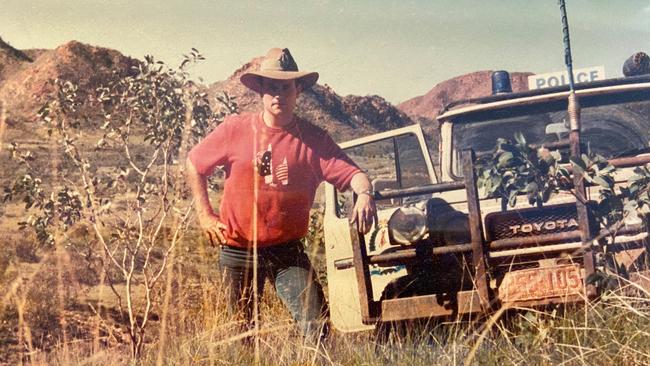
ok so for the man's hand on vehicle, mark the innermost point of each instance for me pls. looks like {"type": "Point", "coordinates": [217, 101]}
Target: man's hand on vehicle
{"type": "Point", "coordinates": [364, 212]}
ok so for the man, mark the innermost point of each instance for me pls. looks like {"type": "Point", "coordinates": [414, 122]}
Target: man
{"type": "Point", "coordinates": [273, 162]}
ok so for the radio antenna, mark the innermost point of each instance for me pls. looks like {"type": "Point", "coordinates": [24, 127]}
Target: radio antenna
{"type": "Point", "coordinates": [567, 44]}
{"type": "Point", "coordinates": [573, 110]}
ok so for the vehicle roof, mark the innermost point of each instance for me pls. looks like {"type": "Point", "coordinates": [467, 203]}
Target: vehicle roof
{"type": "Point", "coordinates": [460, 108]}
{"type": "Point", "coordinates": [380, 136]}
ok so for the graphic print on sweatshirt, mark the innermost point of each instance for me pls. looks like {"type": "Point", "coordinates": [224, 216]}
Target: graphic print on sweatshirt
{"type": "Point", "coordinates": [272, 175]}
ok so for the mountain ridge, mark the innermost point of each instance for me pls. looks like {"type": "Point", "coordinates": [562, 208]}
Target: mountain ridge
{"type": "Point", "coordinates": [472, 85]}
{"type": "Point", "coordinates": [25, 83]}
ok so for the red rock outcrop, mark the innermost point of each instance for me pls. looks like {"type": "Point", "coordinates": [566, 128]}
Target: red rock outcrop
{"type": "Point", "coordinates": [12, 59]}
{"type": "Point", "coordinates": [27, 83]}
{"type": "Point", "coordinates": [25, 77]}
{"type": "Point", "coordinates": [473, 85]}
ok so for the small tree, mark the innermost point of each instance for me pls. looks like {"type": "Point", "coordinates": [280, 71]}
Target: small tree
{"type": "Point", "coordinates": [128, 187]}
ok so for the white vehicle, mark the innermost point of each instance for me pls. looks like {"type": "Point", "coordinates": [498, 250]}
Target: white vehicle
{"type": "Point", "coordinates": [440, 249]}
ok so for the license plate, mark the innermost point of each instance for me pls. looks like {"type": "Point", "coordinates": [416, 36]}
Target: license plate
{"type": "Point", "coordinates": [541, 283]}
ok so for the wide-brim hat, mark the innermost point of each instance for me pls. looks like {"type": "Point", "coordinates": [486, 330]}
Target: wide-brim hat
{"type": "Point", "coordinates": [278, 64]}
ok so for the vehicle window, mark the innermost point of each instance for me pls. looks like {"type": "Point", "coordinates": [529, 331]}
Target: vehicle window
{"type": "Point", "coordinates": [392, 163]}
{"type": "Point", "coordinates": [609, 130]}
{"type": "Point", "coordinates": [411, 162]}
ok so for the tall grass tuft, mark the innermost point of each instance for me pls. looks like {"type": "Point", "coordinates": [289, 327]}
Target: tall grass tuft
{"type": "Point", "coordinates": [612, 330]}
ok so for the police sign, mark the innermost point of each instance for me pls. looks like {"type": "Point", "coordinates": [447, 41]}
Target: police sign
{"type": "Point", "coordinates": [552, 79]}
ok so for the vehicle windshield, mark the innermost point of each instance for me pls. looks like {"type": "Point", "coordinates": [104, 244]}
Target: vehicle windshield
{"type": "Point", "coordinates": [609, 130]}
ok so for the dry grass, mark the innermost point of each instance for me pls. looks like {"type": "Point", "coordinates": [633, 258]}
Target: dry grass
{"type": "Point", "coordinates": [47, 318]}
{"type": "Point", "coordinates": [54, 310]}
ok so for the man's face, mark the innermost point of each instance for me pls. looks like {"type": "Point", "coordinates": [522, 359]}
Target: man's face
{"type": "Point", "coordinates": [279, 96]}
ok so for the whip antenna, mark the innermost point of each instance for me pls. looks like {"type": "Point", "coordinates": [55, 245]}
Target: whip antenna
{"type": "Point", "coordinates": [573, 110]}
{"type": "Point", "coordinates": [567, 44]}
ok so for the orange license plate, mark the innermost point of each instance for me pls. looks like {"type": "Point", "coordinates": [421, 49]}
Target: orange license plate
{"type": "Point", "coordinates": [541, 283]}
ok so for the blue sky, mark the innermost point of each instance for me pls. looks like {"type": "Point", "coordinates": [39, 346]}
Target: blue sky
{"type": "Point", "coordinates": [396, 49]}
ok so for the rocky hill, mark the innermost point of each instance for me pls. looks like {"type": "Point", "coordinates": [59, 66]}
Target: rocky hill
{"type": "Point", "coordinates": [473, 85]}
{"type": "Point", "coordinates": [25, 83]}
{"type": "Point", "coordinates": [26, 76]}
{"type": "Point", "coordinates": [11, 59]}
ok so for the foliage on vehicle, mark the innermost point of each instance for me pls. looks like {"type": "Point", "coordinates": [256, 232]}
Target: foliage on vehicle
{"type": "Point", "coordinates": [514, 169]}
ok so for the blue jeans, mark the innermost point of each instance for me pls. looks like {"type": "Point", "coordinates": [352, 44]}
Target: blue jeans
{"type": "Point", "coordinates": [289, 270]}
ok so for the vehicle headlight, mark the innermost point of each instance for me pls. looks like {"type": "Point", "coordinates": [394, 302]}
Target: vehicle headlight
{"type": "Point", "coordinates": [407, 225]}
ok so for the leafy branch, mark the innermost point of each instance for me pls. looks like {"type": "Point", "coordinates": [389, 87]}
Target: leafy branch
{"type": "Point", "coordinates": [127, 186]}
{"type": "Point", "coordinates": [514, 169]}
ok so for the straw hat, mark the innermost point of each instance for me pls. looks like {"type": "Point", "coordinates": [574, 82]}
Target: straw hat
{"type": "Point", "coordinates": [278, 64]}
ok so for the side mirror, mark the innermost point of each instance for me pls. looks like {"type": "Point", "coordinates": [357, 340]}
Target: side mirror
{"type": "Point", "coordinates": [558, 129]}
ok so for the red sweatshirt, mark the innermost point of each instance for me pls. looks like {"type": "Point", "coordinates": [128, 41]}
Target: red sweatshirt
{"type": "Point", "coordinates": [288, 165]}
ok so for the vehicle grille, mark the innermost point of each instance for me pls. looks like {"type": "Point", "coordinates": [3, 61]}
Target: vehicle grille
{"type": "Point", "coordinates": [531, 222]}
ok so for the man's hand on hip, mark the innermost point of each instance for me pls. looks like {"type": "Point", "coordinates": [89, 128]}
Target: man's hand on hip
{"type": "Point", "coordinates": [213, 229]}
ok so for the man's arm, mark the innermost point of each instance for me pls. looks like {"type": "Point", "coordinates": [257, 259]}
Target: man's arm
{"type": "Point", "coordinates": [208, 220]}
{"type": "Point", "coordinates": [364, 210]}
